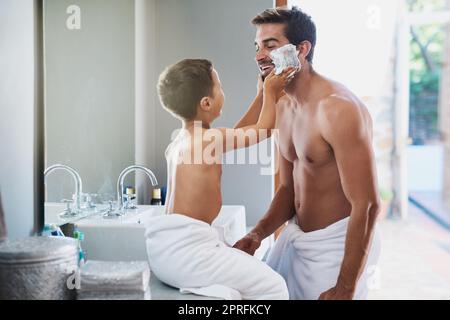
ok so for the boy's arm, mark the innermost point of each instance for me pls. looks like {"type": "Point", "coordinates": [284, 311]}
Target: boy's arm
{"type": "Point", "coordinates": [252, 134]}
{"type": "Point", "coordinates": [253, 112]}
{"type": "Point", "coordinates": [251, 116]}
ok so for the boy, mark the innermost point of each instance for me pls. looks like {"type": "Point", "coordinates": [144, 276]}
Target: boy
{"type": "Point", "coordinates": [183, 249]}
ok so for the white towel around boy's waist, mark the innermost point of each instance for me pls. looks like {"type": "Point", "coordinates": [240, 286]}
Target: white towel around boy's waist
{"type": "Point", "coordinates": [179, 235]}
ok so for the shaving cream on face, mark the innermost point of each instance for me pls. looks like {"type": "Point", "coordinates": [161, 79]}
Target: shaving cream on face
{"type": "Point", "coordinates": [284, 57]}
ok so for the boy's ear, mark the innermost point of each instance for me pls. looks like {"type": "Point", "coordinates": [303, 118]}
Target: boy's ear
{"type": "Point", "coordinates": [205, 104]}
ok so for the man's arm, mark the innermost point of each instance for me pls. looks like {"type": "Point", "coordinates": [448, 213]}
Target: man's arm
{"type": "Point", "coordinates": [347, 128]}
{"type": "Point", "coordinates": [281, 210]}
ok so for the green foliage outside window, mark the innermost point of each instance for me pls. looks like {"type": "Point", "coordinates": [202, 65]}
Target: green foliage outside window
{"type": "Point", "coordinates": [426, 55]}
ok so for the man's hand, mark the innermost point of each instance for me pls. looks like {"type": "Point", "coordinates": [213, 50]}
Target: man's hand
{"type": "Point", "coordinates": [249, 243]}
{"type": "Point", "coordinates": [337, 293]}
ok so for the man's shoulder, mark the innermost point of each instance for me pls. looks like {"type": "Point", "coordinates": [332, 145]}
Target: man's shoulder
{"type": "Point", "coordinates": [341, 108]}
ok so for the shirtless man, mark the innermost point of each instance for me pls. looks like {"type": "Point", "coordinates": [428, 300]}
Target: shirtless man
{"type": "Point", "coordinates": [328, 184]}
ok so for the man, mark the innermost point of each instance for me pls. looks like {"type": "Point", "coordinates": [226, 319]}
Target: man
{"type": "Point", "coordinates": [328, 185]}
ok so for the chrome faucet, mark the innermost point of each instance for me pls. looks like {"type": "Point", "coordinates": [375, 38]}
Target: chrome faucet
{"type": "Point", "coordinates": [76, 178]}
{"type": "Point", "coordinates": [121, 179]}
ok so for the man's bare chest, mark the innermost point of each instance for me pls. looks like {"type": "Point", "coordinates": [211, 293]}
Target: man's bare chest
{"type": "Point", "coordinates": [300, 139]}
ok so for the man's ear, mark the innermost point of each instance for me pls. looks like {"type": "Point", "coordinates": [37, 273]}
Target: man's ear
{"type": "Point", "coordinates": [304, 48]}
{"type": "Point", "coordinates": [205, 104]}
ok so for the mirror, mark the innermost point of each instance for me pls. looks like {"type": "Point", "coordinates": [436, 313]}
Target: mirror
{"type": "Point", "coordinates": [89, 97]}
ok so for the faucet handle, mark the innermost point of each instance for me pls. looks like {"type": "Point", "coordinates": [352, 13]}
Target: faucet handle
{"type": "Point", "coordinates": [111, 212]}
{"type": "Point", "coordinates": [67, 202]}
{"type": "Point", "coordinates": [90, 201]}
{"type": "Point", "coordinates": [110, 203]}
{"type": "Point", "coordinates": [68, 210]}
{"type": "Point", "coordinates": [86, 201]}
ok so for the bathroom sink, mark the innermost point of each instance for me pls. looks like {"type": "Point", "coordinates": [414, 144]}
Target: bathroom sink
{"type": "Point", "coordinates": [123, 239]}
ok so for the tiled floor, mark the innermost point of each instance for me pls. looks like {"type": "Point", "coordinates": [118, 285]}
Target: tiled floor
{"type": "Point", "coordinates": [415, 259]}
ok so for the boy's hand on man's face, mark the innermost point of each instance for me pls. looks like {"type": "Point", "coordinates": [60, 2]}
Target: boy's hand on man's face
{"type": "Point", "coordinates": [260, 87]}
{"type": "Point", "coordinates": [275, 84]}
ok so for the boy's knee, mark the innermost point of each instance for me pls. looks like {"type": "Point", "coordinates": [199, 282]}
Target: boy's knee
{"type": "Point", "coordinates": [276, 288]}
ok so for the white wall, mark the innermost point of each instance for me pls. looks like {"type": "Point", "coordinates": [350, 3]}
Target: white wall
{"type": "Point", "coordinates": [220, 31]}
{"type": "Point", "coordinates": [354, 40]}
{"type": "Point", "coordinates": [18, 105]}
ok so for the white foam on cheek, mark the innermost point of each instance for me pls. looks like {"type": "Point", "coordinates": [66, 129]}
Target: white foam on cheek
{"type": "Point", "coordinates": [284, 57]}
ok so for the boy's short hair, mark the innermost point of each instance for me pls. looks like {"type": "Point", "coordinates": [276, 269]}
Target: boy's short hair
{"type": "Point", "coordinates": [182, 85]}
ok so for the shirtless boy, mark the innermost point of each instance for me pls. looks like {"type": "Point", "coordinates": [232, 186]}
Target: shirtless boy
{"type": "Point", "coordinates": [183, 249]}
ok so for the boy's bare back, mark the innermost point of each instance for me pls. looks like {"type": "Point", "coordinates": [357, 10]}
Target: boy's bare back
{"type": "Point", "coordinates": [194, 186]}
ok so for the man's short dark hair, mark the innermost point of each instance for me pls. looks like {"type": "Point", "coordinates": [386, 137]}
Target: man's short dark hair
{"type": "Point", "coordinates": [181, 86]}
{"type": "Point", "coordinates": [299, 25]}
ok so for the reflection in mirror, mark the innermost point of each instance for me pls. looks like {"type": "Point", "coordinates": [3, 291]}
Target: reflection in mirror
{"type": "Point", "coordinates": [89, 102]}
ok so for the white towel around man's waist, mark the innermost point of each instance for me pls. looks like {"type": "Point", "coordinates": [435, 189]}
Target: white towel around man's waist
{"type": "Point", "coordinates": [187, 254]}
{"type": "Point", "coordinates": [310, 261]}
